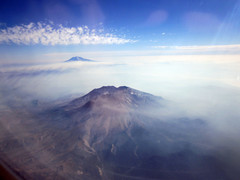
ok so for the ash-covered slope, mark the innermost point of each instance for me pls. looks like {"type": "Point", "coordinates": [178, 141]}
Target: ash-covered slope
{"type": "Point", "coordinates": [107, 112]}
{"type": "Point", "coordinates": [110, 133]}
{"type": "Point", "coordinates": [116, 126]}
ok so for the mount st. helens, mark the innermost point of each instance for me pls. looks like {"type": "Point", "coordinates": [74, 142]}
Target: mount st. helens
{"type": "Point", "coordinates": [110, 133]}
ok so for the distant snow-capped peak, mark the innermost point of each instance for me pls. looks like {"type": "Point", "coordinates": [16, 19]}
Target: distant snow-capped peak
{"type": "Point", "coordinates": [77, 59]}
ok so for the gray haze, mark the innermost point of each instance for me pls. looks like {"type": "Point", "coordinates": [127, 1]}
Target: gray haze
{"type": "Point", "coordinates": [193, 89]}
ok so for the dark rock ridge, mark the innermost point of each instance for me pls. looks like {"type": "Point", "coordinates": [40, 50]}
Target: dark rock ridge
{"type": "Point", "coordinates": [79, 59]}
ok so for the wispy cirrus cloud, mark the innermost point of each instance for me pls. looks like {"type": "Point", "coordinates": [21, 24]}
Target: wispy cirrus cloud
{"type": "Point", "coordinates": [47, 34]}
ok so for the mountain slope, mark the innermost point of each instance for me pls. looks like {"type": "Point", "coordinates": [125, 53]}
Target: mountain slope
{"type": "Point", "coordinates": [114, 124]}
{"type": "Point", "coordinates": [110, 133]}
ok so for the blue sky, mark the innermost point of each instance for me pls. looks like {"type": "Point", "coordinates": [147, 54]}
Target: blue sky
{"type": "Point", "coordinates": [31, 29]}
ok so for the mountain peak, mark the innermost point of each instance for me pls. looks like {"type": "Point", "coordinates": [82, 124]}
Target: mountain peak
{"type": "Point", "coordinates": [108, 110]}
{"type": "Point", "coordinates": [115, 96]}
{"type": "Point", "coordinates": [78, 58]}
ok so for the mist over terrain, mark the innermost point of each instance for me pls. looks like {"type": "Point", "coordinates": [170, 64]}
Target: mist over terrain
{"type": "Point", "coordinates": [198, 86]}
{"type": "Point", "coordinates": [201, 109]}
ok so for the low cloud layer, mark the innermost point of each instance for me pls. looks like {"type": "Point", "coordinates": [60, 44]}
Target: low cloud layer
{"type": "Point", "coordinates": [232, 48]}
{"type": "Point", "coordinates": [196, 86]}
{"type": "Point", "coordinates": [48, 34]}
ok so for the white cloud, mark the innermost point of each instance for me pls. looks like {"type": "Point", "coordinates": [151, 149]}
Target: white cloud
{"type": "Point", "coordinates": [213, 47]}
{"type": "Point", "coordinates": [46, 34]}
{"type": "Point", "coordinates": [233, 48]}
